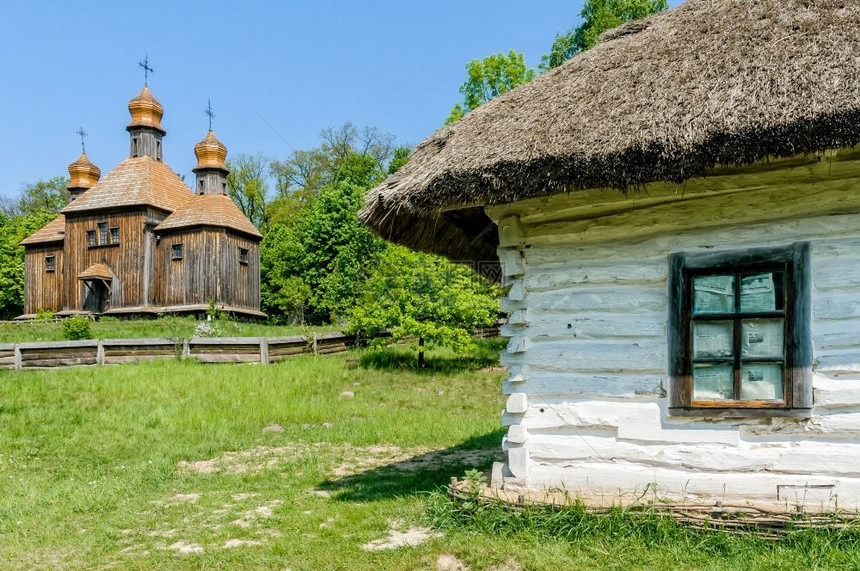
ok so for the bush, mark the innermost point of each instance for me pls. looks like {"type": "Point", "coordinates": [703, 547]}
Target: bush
{"type": "Point", "coordinates": [44, 315]}
{"type": "Point", "coordinates": [77, 327]}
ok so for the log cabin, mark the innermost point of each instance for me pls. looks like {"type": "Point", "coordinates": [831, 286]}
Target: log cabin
{"type": "Point", "coordinates": [139, 242]}
{"type": "Point", "coordinates": [677, 216]}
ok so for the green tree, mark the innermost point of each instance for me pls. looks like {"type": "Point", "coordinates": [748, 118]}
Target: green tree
{"type": "Point", "coordinates": [326, 248]}
{"type": "Point", "coordinates": [46, 195]}
{"type": "Point", "coordinates": [425, 296]}
{"type": "Point", "coordinates": [12, 231]}
{"type": "Point", "coordinates": [301, 177]}
{"type": "Point", "coordinates": [489, 77]}
{"type": "Point", "coordinates": [400, 158]}
{"type": "Point", "coordinates": [598, 16]}
{"type": "Point", "coordinates": [248, 187]}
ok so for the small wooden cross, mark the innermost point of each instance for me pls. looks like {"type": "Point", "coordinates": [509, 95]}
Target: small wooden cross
{"type": "Point", "coordinates": [147, 69]}
{"type": "Point", "coordinates": [82, 134]}
{"type": "Point", "coordinates": [209, 112]}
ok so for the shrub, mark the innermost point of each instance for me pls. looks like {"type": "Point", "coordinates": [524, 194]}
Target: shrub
{"type": "Point", "coordinates": [77, 327]}
{"type": "Point", "coordinates": [44, 315]}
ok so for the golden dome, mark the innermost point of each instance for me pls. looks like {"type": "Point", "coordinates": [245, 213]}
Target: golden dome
{"type": "Point", "coordinates": [84, 174]}
{"type": "Point", "coordinates": [145, 110]}
{"type": "Point", "coordinates": [211, 153]}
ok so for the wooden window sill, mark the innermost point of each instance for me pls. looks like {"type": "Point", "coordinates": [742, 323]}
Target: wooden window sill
{"type": "Point", "coordinates": [741, 412]}
{"type": "Point", "coordinates": [114, 245]}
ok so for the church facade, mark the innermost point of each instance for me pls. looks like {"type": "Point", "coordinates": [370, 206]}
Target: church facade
{"type": "Point", "coordinates": [140, 242]}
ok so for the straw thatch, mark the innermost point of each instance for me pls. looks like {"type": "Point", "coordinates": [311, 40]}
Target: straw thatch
{"type": "Point", "coordinates": [713, 82]}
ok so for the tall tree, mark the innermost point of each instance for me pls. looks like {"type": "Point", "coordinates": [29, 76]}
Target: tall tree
{"type": "Point", "coordinates": [248, 187]}
{"type": "Point", "coordinates": [46, 195]}
{"type": "Point", "coordinates": [302, 176]}
{"type": "Point", "coordinates": [489, 77]}
{"type": "Point", "coordinates": [12, 231]}
{"type": "Point", "coordinates": [598, 16]}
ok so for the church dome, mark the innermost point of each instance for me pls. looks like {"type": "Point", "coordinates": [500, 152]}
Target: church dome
{"type": "Point", "coordinates": [211, 153]}
{"type": "Point", "coordinates": [146, 111]}
{"type": "Point", "coordinates": [83, 173]}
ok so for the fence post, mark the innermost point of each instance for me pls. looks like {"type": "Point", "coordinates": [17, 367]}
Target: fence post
{"type": "Point", "coordinates": [100, 354]}
{"type": "Point", "coordinates": [314, 343]}
{"type": "Point", "coordinates": [186, 349]}
{"type": "Point", "coordinates": [17, 357]}
{"type": "Point", "coordinates": [264, 351]}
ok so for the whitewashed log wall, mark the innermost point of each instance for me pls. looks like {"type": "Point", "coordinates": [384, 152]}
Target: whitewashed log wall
{"type": "Point", "coordinates": [587, 405]}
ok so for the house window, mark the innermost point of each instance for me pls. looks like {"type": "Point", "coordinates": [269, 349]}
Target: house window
{"type": "Point", "coordinates": [50, 263]}
{"type": "Point", "coordinates": [91, 238]}
{"type": "Point", "coordinates": [177, 251]}
{"type": "Point", "coordinates": [114, 235]}
{"type": "Point", "coordinates": [243, 256]}
{"type": "Point", "coordinates": [103, 233]}
{"type": "Point", "coordinates": [739, 333]}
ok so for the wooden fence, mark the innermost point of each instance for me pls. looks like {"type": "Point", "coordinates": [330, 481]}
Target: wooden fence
{"type": "Point", "coordinates": [264, 350]}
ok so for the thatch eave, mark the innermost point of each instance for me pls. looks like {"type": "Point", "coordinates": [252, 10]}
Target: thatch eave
{"type": "Point", "coordinates": [709, 85]}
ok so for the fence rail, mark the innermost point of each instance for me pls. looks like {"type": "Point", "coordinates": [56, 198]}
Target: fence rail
{"type": "Point", "coordinates": [264, 350]}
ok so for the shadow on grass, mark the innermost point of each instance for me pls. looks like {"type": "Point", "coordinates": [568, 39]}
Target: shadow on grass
{"type": "Point", "coordinates": [422, 473]}
{"type": "Point", "coordinates": [405, 358]}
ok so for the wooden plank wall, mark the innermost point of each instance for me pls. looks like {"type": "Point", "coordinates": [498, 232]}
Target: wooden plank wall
{"type": "Point", "coordinates": [210, 269]}
{"type": "Point", "coordinates": [125, 260]}
{"type": "Point", "coordinates": [44, 289]}
{"type": "Point", "coordinates": [587, 405]}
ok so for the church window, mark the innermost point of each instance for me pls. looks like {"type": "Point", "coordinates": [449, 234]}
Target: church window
{"type": "Point", "coordinates": [103, 233]}
{"type": "Point", "coordinates": [200, 186]}
{"type": "Point", "coordinates": [50, 263]}
{"type": "Point", "coordinates": [114, 235]}
{"type": "Point", "coordinates": [135, 151]}
{"type": "Point", "coordinates": [91, 238]}
{"type": "Point", "coordinates": [243, 256]}
{"type": "Point", "coordinates": [158, 150]}
{"type": "Point", "coordinates": [177, 251]}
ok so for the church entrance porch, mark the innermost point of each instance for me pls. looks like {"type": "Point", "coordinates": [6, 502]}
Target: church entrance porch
{"type": "Point", "coordinates": [97, 281]}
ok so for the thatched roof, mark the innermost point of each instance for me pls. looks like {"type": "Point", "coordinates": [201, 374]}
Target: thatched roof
{"type": "Point", "coordinates": [712, 82]}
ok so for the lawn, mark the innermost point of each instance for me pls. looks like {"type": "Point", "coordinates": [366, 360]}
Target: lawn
{"type": "Point", "coordinates": [314, 463]}
{"type": "Point", "coordinates": [112, 328]}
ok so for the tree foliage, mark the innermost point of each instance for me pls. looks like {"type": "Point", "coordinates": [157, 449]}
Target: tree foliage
{"type": "Point", "coordinates": [327, 248]}
{"type": "Point", "coordinates": [598, 16]}
{"type": "Point", "coordinates": [489, 77]}
{"type": "Point", "coordinates": [248, 187]}
{"type": "Point", "coordinates": [12, 231]}
{"type": "Point", "coordinates": [425, 296]}
{"type": "Point", "coordinates": [46, 195]}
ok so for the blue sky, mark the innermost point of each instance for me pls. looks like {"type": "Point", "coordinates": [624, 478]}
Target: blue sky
{"type": "Point", "coordinates": [301, 66]}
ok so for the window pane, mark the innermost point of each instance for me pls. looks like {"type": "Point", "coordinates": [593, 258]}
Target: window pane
{"type": "Point", "coordinates": [712, 339]}
{"type": "Point", "coordinates": [714, 294]}
{"type": "Point", "coordinates": [713, 382]}
{"type": "Point", "coordinates": [762, 292]}
{"type": "Point", "coordinates": [762, 338]}
{"type": "Point", "coordinates": [114, 235]}
{"type": "Point", "coordinates": [761, 381]}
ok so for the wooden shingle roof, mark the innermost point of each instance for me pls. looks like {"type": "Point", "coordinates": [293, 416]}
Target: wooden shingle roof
{"type": "Point", "coordinates": [138, 181]}
{"type": "Point", "coordinates": [210, 210]}
{"type": "Point", "coordinates": [53, 231]}
{"type": "Point", "coordinates": [96, 271]}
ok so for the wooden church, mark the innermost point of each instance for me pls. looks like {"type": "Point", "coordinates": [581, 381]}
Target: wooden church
{"type": "Point", "coordinates": [139, 242]}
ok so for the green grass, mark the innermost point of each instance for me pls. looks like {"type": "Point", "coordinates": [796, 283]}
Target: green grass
{"type": "Point", "coordinates": [110, 328]}
{"type": "Point", "coordinates": [111, 467]}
